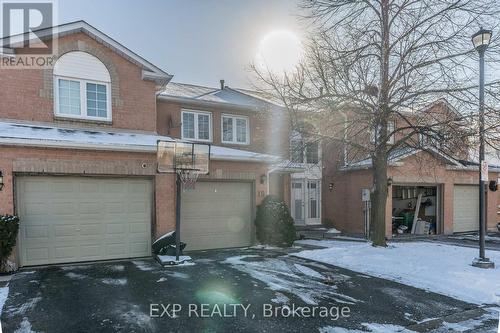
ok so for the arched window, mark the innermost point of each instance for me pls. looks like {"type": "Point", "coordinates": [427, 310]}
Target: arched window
{"type": "Point", "coordinates": [82, 87]}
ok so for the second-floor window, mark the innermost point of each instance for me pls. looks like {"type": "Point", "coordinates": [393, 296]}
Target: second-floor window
{"type": "Point", "coordinates": [390, 129]}
{"type": "Point", "coordinates": [235, 129]}
{"type": "Point", "coordinates": [82, 87]}
{"type": "Point", "coordinates": [303, 152]}
{"type": "Point", "coordinates": [196, 125]}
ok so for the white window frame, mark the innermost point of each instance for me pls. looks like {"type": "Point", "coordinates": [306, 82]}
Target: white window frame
{"type": "Point", "coordinates": [83, 99]}
{"type": "Point", "coordinates": [234, 117]}
{"type": "Point", "coordinates": [391, 125]}
{"type": "Point", "coordinates": [196, 134]}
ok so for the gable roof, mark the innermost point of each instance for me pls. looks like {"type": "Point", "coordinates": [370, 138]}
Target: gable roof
{"type": "Point", "coordinates": [398, 155]}
{"type": "Point", "coordinates": [231, 97]}
{"type": "Point", "coordinates": [149, 71]}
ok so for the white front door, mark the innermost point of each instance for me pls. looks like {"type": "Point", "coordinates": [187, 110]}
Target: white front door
{"type": "Point", "coordinates": [306, 201]}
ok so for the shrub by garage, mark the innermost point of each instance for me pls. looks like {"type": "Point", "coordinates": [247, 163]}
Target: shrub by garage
{"type": "Point", "coordinates": [275, 225]}
{"type": "Point", "coordinates": [9, 227]}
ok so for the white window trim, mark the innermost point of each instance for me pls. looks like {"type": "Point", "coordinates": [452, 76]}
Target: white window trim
{"type": "Point", "coordinates": [83, 99]}
{"type": "Point", "coordinates": [304, 150]}
{"type": "Point", "coordinates": [391, 126]}
{"type": "Point", "coordinates": [234, 117]}
{"type": "Point", "coordinates": [196, 112]}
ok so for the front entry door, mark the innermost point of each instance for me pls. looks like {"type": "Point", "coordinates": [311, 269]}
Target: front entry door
{"type": "Point", "coordinates": [306, 201]}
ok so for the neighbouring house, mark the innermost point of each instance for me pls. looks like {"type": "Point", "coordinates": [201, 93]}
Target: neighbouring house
{"type": "Point", "coordinates": [444, 186]}
{"type": "Point", "coordinates": [78, 155]}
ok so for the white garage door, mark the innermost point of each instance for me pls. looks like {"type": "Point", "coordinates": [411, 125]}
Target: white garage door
{"type": "Point", "coordinates": [72, 219]}
{"type": "Point", "coordinates": [217, 215]}
{"type": "Point", "coordinates": [465, 208]}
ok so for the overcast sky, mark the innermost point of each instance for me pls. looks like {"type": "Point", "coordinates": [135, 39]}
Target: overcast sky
{"type": "Point", "coordinates": [198, 41]}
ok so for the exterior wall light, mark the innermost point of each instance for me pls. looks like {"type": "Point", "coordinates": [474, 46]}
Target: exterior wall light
{"type": "Point", "coordinates": [330, 187]}
{"type": "Point", "coordinates": [389, 181]}
{"type": "Point", "coordinates": [263, 179]}
{"type": "Point", "coordinates": [1, 180]}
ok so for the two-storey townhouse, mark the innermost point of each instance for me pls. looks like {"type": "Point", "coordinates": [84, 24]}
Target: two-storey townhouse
{"type": "Point", "coordinates": [78, 157]}
{"type": "Point", "coordinates": [247, 120]}
{"type": "Point", "coordinates": [441, 184]}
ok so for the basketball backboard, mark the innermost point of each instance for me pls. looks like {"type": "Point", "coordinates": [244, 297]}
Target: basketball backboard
{"type": "Point", "coordinates": [174, 156]}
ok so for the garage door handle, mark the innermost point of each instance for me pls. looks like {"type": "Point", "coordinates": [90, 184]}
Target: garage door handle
{"type": "Point", "coordinates": [78, 229]}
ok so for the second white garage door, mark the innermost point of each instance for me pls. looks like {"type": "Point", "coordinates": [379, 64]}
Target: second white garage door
{"type": "Point", "coordinates": [217, 215]}
{"type": "Point", "coordinates": [465, 208]}
{"type": "Point", "coordinates": [71, 219]}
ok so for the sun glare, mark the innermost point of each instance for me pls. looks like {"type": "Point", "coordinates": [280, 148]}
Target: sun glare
{"type": "Point", "coordinates": [279, 51]}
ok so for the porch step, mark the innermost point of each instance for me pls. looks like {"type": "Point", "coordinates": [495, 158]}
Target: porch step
{"type": "Point", "coordinates": [314, 227]}
{"type": "Point", "coordinates": [319, 234]}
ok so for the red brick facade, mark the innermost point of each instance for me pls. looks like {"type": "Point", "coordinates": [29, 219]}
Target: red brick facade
{"type": "Point", "coordinates": [27, 95]}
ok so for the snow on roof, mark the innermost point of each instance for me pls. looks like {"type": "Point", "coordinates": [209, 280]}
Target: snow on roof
{"type": "Point", "coordinates": [397, 155]}
{"type": "Point", "coordinates": [288, 166]}
{"type": "Point", "coordinates": [28, 134]}
{"type": "Point", "coordinates": [186, 90]}
{"type": "Point", "coordinates": [239, 97]}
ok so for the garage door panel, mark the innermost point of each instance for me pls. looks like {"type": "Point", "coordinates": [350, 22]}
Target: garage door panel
{"type": "Point", "coordinates": [37, 254]}
{"type": "Point", "coordinates": [465, 208]}
{"type": "Point", "coordinates": [217, 215]}
{"type": "Point", "coordinates": [38, 232]}
{"type": "Point", "coordinates": [65, 230]}
{"type": "Point", "coordinates": [68, 219]}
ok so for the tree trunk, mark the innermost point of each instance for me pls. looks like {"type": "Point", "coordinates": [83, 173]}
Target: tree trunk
{"type": "Point", "coordinates": [379, 198]}
{"type": "Point", "coordinates": [379, 158]}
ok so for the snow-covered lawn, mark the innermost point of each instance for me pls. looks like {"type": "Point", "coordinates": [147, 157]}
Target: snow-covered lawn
{"type": "Point", "coordinates": [443, 269]}
{"type": "Point", "coordinates": [4, 292]}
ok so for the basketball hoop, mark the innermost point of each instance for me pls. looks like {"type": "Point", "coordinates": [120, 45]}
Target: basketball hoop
{"type": "Point", "coordinates": [187, 161]}
{"type": "Point", "coordinates": [188, 178]}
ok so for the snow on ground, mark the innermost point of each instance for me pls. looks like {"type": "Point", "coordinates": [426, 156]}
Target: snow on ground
{"type": "Point", "coordinates": [476, 237]}
{"type": "Point", "coordinates": [75, 276]}
{"type": "Point", "coordinates": [117, 268]}
{"type": "Point", "coordinates": [25, 327]}
{"type": "Point", "coordinates": [281, 276]}
{"type": "Point", "coordinates": [333, 231]}
{"type": "Point", "coordinates": [114, 282]}
{"type": "Point", "coordinates": [143, 266]}
{"type": "Point", "coordinates": [322, 243]}
{"type": "Point", "coordinates": [443, 269]}
{"type": "Point", "coordinates": [183, 260]}
{"type": "Point", "coordinates": [280, 299]}
{"type": "Point", "coordinates": [308, 271]}
{"type": "Point", "coordinates": [373, 328]}
{"type": "Point", "coordinates": [4, 292]}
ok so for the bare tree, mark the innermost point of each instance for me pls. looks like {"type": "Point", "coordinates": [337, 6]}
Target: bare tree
{"type": "Point", "coordinates": [371, 64]}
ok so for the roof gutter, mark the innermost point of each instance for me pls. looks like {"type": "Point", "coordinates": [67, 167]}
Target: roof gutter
{"type": "Point", "coordinates": [37, 143]}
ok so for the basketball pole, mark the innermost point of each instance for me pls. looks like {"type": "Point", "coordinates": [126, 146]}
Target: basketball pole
{"type": "Point", "coordinates": [178, 186]}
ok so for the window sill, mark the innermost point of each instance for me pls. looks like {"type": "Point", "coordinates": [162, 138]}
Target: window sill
{"type": "Point", "coordinates": [84, 120]}
{"type": "Point", "coordinates": [197, 141]}
{"type": "Point", "coordinates": [235, 143]}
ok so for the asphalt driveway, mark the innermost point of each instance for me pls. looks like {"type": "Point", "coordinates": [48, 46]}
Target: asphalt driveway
{"type": "Point", "coordinates": [253, 283]}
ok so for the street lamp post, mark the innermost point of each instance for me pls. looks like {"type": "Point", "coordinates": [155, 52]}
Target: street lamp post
{"type": "Point", "coordinates": [481, 40]}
